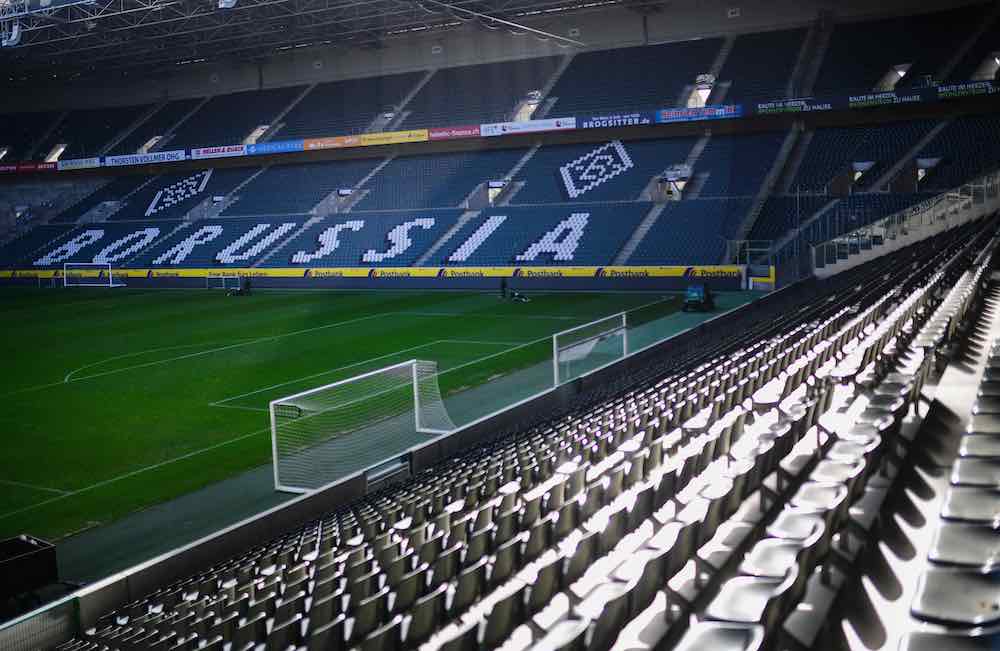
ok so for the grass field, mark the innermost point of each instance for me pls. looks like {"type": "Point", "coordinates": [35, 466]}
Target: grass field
{"type": "Point", "coordinates": [113, 400]}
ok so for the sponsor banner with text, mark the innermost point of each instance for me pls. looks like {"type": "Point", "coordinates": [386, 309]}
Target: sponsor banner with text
{"type": "Point", "coordinates": [144, 159]}
{"type": "Point", "coordinates": [8, 169]}
{"type": "Point", "coordinates": [224, 151]}
{"type": "Point", "coordinates": [393, 137]}
{"type": "Point", "coordinates": [333, 142]}
{"type": "Point", "coordinates": [453, 133]}
{"type": "Point", "coordinates": [616, 120]}
{"type": "Point", "coordinates": [804, 105]}
{"type": "Point", "coordinates": [79, 163]}
{"type": "Point", "coordinates": [35, 167]}
{"type": "Point", "coordinates": [728, 272]}
{"type": "Point", "coordinates": [531, 126]}
{"type": "Point", "coordinates": [887, 98]}
{"type": "Point", "coordinates": [969, 89]}
{"type": "Point", "coordinates": [697, 113]}
{"type": "Point", "coordinates": [278, 147]}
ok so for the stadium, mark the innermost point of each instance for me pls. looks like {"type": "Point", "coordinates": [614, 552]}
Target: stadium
{"type": "Point", "coordinates": [643, 325]}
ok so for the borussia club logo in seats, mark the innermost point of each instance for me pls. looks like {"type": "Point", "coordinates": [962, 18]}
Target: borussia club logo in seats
{"type": "Point", "coordinates": [594, 168]}
{"type": "Point", "coordinates": [177, 192]}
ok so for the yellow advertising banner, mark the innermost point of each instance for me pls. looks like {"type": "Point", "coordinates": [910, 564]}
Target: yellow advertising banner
{"type": "Point", "coordinates": [394, 137]}
{"type": "Point", "coordinates": [334, 142]}
{"type": "Point", "coordinates": [725, 272]}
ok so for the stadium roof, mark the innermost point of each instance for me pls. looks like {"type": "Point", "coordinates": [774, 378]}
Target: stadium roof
{"type": "Point", "coordinates": [70, 39]}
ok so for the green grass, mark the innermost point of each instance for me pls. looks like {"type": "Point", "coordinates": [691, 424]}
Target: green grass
{"type": "Point", "coordinates": [114, 400]}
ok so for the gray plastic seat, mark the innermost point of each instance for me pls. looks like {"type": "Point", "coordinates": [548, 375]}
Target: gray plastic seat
{"type": "Point", "coordinates": [568, 634]}
{"type": "Point", "coordinates": [971, 504]}
{"type": "Point", "coordinates": [984, 424]}
{"type": "Point", "coordinates": [607, 606]}
{"type": "Point", "coordinates": [976, 472]}
{"type": "Point", "coordinates": [980, 445]}
{"type": "Point", "coordinates": [986, 405]}
{"type": "Point", "coordinates": [722, 636]}
{"type": "Point", "coordinates": [754, 600]}
{"type": "Point", "coordinates": [829, 500]}
{"type": "Point", "coordinates": [949, 642]}
{"type": "Point", "coordinates": [972, 545]}
{"type": "Point", "coordinates": [957, 597]}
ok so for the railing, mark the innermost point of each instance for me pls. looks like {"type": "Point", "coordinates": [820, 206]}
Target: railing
{"type": "Point", "coordinates": [941, 212]}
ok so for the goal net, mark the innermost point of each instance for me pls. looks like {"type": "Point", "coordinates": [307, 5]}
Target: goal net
{"type": "Point", "coordinates": [90, 274]}
{"type": "Point", "coordinates": [221, 281]}
{"type": "Point", "coordinates": [324, 434]}
{"type": "Point", "coordinates": [586, 347]}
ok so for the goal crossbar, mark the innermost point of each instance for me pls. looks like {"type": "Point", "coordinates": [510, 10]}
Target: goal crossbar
{"type": "Point", "coordinates": [315, 433]}
{"type": "Point", "coordinates": [579, 338]}
{"type": "Point", "coordinates": [89, 274]}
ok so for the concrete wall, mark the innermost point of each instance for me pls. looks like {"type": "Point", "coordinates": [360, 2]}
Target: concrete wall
{"type": "Point", "coordinates": [599, 29]}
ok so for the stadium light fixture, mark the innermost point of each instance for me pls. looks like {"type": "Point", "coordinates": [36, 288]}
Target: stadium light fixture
{"type": "Point", "coordinates": [484, 18]}
{"type": "Point", "coordinates": [227, 4]}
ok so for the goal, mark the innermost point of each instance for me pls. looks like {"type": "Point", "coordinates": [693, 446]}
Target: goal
{"type": "Point", "coordinates": [222, 281]}
{"type": "Point", "coordinates": [324, 434]}
{"type": "Point", "coordinates": [90, 274]}
{"type": "Point", "coordinates": [587, 347]}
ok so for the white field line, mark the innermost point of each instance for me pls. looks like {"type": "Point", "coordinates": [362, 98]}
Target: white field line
{"type": "Point", "coordinates": [133, 473]}
{"type": "Point", "coordinates": [247, 342]}
{"type": "Point", "coordinates": [466, 315]}
{"type": "Point", "coordinates": [33, 486]}
{"type": "Point", "coordinates": [70, 375]}
{"type": "Point", "coordinates": [222, 403]}
{"type": "Point", "coordinates": [215, 446]}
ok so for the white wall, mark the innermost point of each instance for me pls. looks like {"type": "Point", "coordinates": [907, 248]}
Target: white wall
{"type": "Point", "coordinates": [599, 29]}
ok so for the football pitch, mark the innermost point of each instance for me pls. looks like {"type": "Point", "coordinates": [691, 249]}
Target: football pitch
{"type": "Point", "coordinates": [117, 399]}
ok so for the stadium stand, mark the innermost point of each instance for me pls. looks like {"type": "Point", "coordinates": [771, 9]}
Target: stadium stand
{"type": "Point", "coordinates": [833, 150]}
{"type": "Point", "coordinates": [235, 242]}
{"type": "Point", "coordinates": [392, 239]}
{"type": "Point", "coordinates": [86, 133]}
{"type": "Point", "coordinates": [692, 231]}
{"type": "Point", "coordinates": [566, 235]}
{"type": "Point", "coordinates": [22, 130]}
{"type": "Point", "coordinates": [297, 189]}
{"type": "Point", "coordinates": [345, 107]}
{"type": "Point", "coordinates": [106, 242]}
{"type": "Point", "coordinates": [612, 171]}
{"type": "Point", "coordinates": [158, 124]}
{"type": "Point", "coordinates": [619, 79]}
{"type": "Point", "coordinates": [230, 119]}
{"type": "Point", "coordinates": [475, 94]}
{"type": "Point", "coordinates": [760, 66]}
{"type": "Point", "coordinates": [435, 180]}
{"type": "Point", "coordinates": [861, 55]}
{"type": "Point", "coordinates": [715, 499]}
{"type": "Point", "coordinates": [19, 250]}
{"type": "Point", "coordinates": [967, 147]}
{"type": "Point", "coordinates": [114, 190]}
{"type": "Point", "coordinates": [782, 214]}
{"type": "Point", "coordinates": [171, 196]}
{"type": "Point", "coordinates": [733, 163]}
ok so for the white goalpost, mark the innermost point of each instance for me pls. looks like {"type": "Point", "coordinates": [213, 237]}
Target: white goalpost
{"type": "Point", "coordinates": [222, 281]}
{"type": "Point", "coordinates": [90, 274]}
{"type": "Point", "coordinates": [586, 347]}
{"type": "Point", "coordinates": [323, 434]}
